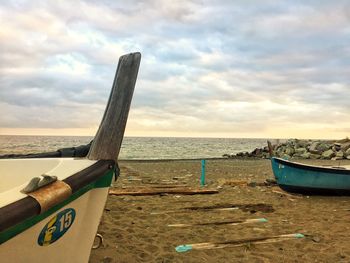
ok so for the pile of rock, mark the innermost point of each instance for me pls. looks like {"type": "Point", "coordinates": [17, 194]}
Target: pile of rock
{"type": "Point", "coordinates": [304, 149]}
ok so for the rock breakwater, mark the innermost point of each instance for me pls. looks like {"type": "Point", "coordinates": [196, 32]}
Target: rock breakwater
{"type": "Point", "coordinates": [302, 149]}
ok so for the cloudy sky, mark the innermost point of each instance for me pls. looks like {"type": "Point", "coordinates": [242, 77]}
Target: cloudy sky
{"type": "Point", "coordinates": [267, 69]}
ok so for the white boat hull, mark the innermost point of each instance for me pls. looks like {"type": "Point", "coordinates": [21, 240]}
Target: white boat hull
{"type": "Point", "coordinates": [73, 246]}
{"type": "Point", "coordinates": [64, 232]}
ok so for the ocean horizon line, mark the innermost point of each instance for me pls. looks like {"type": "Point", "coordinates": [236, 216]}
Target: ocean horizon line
{"type": "Point", "coordinates": [176, 137]}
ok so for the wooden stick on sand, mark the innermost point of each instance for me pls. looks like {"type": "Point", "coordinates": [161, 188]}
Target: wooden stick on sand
{"type": "Point", "coordinates": [187, 210]}
{"type": "Point", "coordinates": [232, 223]}
{"type": "Point", "coordinates": [286, 194]}
{"type": "Point", "coordinates": [237, 243]}
{"type": "Point", "coordinates": [145, 191]}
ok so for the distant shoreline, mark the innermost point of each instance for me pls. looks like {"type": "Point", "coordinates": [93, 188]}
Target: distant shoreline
{"type": "Point", "coordinates": [183, 159]}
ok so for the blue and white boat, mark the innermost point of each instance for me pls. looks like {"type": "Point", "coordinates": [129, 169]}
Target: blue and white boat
{"type": "Point", "coordinates": [309, 179]}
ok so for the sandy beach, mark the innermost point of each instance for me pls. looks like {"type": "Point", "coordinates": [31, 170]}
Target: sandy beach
{"type": "Point", "coordinates": [135, 228]}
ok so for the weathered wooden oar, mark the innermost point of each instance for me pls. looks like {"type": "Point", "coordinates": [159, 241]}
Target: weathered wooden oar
{"type": "Point", "coordinates": [109, 137]}
{"type": "Point", "coordinates": [232, 223]}
{"type": "Point", "coordinates": [157, 191]}
{"type": "Point", "coordinates": [152, 186]}
{"type": "Point", "coordinates": [191, 211]}
{"type": "Point", "coordinates": [265, 208]}
{"type": "Point", "coordinates": [237, 243]}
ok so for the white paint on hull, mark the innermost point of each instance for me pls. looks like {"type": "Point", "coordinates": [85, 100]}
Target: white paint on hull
{"type": "Point", "coordinates": [16, 173]}
{"type": "Point", "coordinates": [74, 246]}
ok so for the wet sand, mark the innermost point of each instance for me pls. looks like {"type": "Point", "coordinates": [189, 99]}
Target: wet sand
{"type": "Point", "coordinates": [135, 228]}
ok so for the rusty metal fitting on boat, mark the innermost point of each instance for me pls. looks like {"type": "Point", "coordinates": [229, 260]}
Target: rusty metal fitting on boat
{"type": "Point", "coordinates": [51, 195]}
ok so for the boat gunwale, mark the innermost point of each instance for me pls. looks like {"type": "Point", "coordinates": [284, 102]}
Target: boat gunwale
{"type": "Point", "coordinates": [314, 168]}
{"type": "Point", "coordinates": [28, 207]}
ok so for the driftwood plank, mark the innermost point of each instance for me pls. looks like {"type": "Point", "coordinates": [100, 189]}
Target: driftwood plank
{"type": "Point", "coordinates": [265, 208]}
{"type": "Point", "coordinates": [148, 186]}
{"type": "Point", "coordinates": [144, 191]}
{"type": "Point", "coordinates": [238, 243]}
{"type": "Point", "coordinates": [191, 211]}
{"type": "Point", "coordinates": [109, 137]}
{"type": "Point", "coordinates": [220, 223]}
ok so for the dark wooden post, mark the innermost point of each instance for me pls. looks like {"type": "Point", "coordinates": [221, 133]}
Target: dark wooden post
{"type": "Point", "coordinates": [109, 137]}
{"type": "Point", "coordinates": [270, 147]}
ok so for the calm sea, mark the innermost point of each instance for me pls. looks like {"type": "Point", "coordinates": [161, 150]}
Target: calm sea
{"type": "Point", "coordinates": [136, 147]}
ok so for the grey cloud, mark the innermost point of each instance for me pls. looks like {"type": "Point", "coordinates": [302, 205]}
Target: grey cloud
{"type": "Point", "coordinates": [196, 54]}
